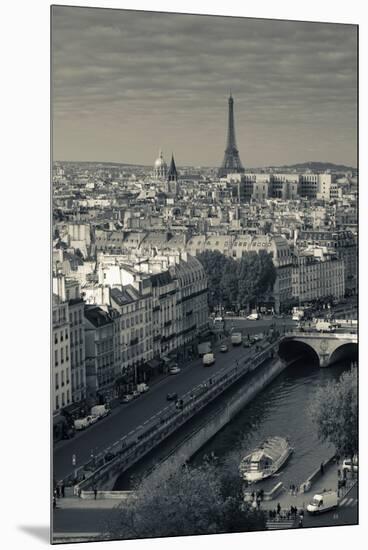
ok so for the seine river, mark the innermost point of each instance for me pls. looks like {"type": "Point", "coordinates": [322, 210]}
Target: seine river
{"type": "Point", "coordinates": [281, 409]}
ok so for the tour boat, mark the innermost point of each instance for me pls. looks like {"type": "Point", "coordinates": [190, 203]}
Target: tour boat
{"type": "Point", "coordinates": [265, 460]}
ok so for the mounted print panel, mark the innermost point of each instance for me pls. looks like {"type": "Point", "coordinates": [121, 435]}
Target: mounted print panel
{"type": "Point", "coordinates": [204, 274]}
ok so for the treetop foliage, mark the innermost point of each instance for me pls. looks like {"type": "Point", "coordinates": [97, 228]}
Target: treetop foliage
{"type": "Point", "coordinates": [240, 282]}
{"type": "Point", "coordinates": [334, 410]}
{"type": "Point", "coordinates": [186, 501]}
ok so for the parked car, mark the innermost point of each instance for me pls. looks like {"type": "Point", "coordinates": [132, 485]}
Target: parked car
{"type": "Point", "coordinates": [81, 423]}
{"type": "Point", "coordinates": [135, 394]}
{"type": "Point", "coordinates": [174, 370]}
{"type": "Point", "coordinates": [224, 348]}
{"type": "Point", "coordinates": [92, 419]}
{"type": "Point", "coordinates": [127, 398]}
{"type": "Point", "coordinates": [172, 396]}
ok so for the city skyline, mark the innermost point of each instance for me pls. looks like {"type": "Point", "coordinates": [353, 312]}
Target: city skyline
{"type": "Point", "coordinates": [118, 77]}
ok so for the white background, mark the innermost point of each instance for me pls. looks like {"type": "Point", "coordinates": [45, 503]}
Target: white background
{"type": "Point", "coordinates": [25, 270]}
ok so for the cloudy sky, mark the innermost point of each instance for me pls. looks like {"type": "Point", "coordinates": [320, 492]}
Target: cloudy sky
{"type": "Point", "coordinates": [127, 83]}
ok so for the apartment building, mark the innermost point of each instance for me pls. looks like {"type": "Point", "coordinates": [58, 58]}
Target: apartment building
{"type": "Point", "coordinates": [315, 277]}
{"type": "Point", "coordinates": [61, 379]}
{"type": "Point", "coordinates": [99, 329]}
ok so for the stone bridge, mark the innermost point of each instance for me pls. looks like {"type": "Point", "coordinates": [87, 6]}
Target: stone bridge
{"type": "Point", "coordinates": [326, 346]}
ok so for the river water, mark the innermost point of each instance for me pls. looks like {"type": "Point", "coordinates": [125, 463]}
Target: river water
{"type": "Point", "coordinates": [281, 409]}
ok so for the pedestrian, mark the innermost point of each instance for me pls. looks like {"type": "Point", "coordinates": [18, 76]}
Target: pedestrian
{"type": "Point", "coordinates": [296, 490]}
{"type": "Point", "coordinates": [322, 469]}
{"type": "Point", "coordinates": [258, 503]}
{"type": "Point", "coordinates": [58, 491]}
{"type": "Point", "coordinates": [278, 508]}
{"type": "Point", "coordinates": [95, 492]}
{"type": "Point", "coordinates": [63, 490]}
{"type": "Point", "coordinates": [54, 502]}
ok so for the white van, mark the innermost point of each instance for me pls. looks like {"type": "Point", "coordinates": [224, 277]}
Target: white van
{"type": "Point", "coordinates": [323, 502]}
{"type": "Point", "coordinates": [142, 388]}
{"type": "Point", "coordinates": [254, 316]}
{"type": "Point", "coordinates": [99, 411]}
{"type": "Point", "coordinates": [208, 359]}
{"type": "Point", "coordinates": [236, 338]}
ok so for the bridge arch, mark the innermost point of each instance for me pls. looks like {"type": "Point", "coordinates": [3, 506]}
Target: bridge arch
{"type": "Point", "coordinates": [291, 350]}
{"type": "Point", "coordinates": [347, 350]}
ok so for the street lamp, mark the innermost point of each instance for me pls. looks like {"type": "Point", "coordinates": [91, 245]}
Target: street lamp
{"type": "Point", "coordinates": [74, 463]}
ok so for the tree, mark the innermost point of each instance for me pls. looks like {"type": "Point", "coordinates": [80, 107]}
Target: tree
{"type": "Point", "coordinates": [241, 281]}
{"type": "Point", "coordinates": [220, 285]}
{"type": "Point", "coordinates": [257, 275]}
{"type": "Point", "coordinates": [184, 501]}
{"type": "Point", "coordinates": [334, 410]}
{"type": "Point", "coordinates": [229, 283]}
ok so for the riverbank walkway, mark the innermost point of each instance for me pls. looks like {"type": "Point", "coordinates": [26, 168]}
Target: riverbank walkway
{"type": "Point", "coordinates": [325, 482]}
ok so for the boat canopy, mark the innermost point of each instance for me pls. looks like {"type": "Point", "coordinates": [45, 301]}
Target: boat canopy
{"type": "Point", "coordinates": [272, 449]}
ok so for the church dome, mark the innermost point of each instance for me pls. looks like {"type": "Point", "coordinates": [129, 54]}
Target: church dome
{"type": "Point", "coordinates": [160, 162]}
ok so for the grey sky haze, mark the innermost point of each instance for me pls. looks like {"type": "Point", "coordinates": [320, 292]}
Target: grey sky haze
{"type": "Point", "coordinates": [126, 83]}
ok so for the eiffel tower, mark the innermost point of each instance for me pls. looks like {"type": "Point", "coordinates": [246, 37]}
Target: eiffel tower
{"type": "Point", "coordinates": [231, 163]}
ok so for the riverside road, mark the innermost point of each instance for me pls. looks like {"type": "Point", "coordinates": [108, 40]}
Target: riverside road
{"type": "Point", "coordinates": [127, 417]}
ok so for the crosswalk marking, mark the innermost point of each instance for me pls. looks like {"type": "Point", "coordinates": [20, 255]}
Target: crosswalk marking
{"type": "Point", "coordinates": [271, 525]}
{"type": "Point", "coordinates": [348, 502]}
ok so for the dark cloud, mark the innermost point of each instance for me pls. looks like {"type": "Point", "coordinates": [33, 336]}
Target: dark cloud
{"type": "Point", "coordinates": [148, 76]}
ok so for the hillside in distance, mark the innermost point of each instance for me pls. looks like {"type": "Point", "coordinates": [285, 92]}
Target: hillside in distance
{"type": "Point", "coordinates": [315, 166]}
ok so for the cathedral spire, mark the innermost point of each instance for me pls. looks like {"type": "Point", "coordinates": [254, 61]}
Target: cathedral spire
{"type": "Point", "coordinates": [172, 174]}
